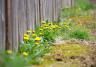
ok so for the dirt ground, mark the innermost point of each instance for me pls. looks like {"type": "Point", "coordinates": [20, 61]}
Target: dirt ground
{"type": "Point", "coordinates": [71, 53]}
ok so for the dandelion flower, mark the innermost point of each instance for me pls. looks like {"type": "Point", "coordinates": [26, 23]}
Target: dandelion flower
{"type": "Point", "coordinates": [9, 51]}
{"type": "Point", "coordinates": [25, 54]}
{"type": "Point", "coordinates": [37, 39]}
{"type": "Point", "coordinates": [26, 38]}
{"type": "Point", "coordinates": [26, 35]}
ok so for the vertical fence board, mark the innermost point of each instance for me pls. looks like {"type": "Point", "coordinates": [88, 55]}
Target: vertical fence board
{"type": "Point", "coordinates": [42, 7]}
{"type": "Point", "coordinates": [37, 9]}
{"type": "Point", "coordinates": [21, 19]}
{"type": "Point", "coordinates": [29, 13]}
{"type": "Point", "coordinates": [32, 14]}
{"type": "Point", "coordinates": [9, 26]}
{"type": "Point", "coordinates": [2, 25]}
{"type": "Point", "coordinates": [57, 7]}
{"type": "Point", "coordinates": [15, 4]}
{"type": "Point", "coordinates": [49, 10]}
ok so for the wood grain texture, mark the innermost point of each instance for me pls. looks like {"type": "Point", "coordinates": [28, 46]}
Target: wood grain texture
{"type": "Point", "coordinates": [22, 27]}
{"type": "Point", "coordinates": [15, 5]}
{"type": "Point", "coordinates": [9, 25]}
{"type": "Point", "coordinates": [2, 25]}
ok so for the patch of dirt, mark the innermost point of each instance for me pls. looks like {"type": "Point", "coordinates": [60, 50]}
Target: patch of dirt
{"type": "Point", "coordinates": [94, 32]}
{"type": "Point", "coordinates": [72, 53]}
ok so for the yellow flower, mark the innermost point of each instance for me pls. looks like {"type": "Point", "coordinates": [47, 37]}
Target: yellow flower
{"type": "Point", "coordinates": [29, 31]}
{"type": "Point", "coordinates": [9, 51]}
{"type": "Point", "coordinates": [26, 35]}
{"type": "Point", "coordinates": [26, 38]}
{"type": "Point", "coordinates": [25, 54]}
{"type": "Point", "coordinates": [37, 39]}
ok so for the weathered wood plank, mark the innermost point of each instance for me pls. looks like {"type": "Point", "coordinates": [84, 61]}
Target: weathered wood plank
{"type": "Point", "coordinates": [15, 5]}
{"type": "Point", "coordinates": [22, 27]}
{"type": "Point", "coordinates": [57, 7]}
{"type": "Point", "coordinates": [2, 25]}
{"type": "Point", "coordinates": [9, 25]}
{"type": "Point", "coordinates": [42, 3]}
{"type": "Point", "coordinates": [29, 17]}
{"type": "Point", "coordinates": [31, 13]}
{"type": "Point", "coordinates": [37, 15]}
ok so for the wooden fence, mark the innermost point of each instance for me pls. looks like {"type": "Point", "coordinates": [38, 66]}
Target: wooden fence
{"type": "Point", "coordinates": [16, 16]}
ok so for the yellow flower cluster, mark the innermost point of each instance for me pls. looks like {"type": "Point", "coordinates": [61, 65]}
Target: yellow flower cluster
{"type": "Point", "coordinates": [37, 39]}
{"type": "Point", "coordinates": [36, 36]}
{"type": "Point", "coordinates": [26, 37]}
{"type": "Point", "coordinates": [31, 35]}
{"type": "Point", "coordinates": [49, 26]}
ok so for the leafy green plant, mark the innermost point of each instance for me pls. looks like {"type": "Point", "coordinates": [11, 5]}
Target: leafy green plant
{"type": "Point", "coordinates": [10, 59]}
{"type": "Point", "coordinates": [65, 28]}
{"type": "Point", "coordinates": [79, 34]}
{"type": "Point", "coordinates": [70, 29]}
{"type": "Point", "coordinates": [84, 4]}
{"type": "Point", "coordinates": [49, 31]}
{"type": "Point", "coordinates": [80, 8]}
{"type": "Point", "coordinates": [34, 46]}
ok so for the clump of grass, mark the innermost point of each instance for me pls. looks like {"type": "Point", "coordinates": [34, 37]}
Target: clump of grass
{"type": "Point", "coordinates": [80, 32]}
{"type": "Point", "coordinates": [71, 30]}
{"type": "Point", "coordinates": [11, 59]}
